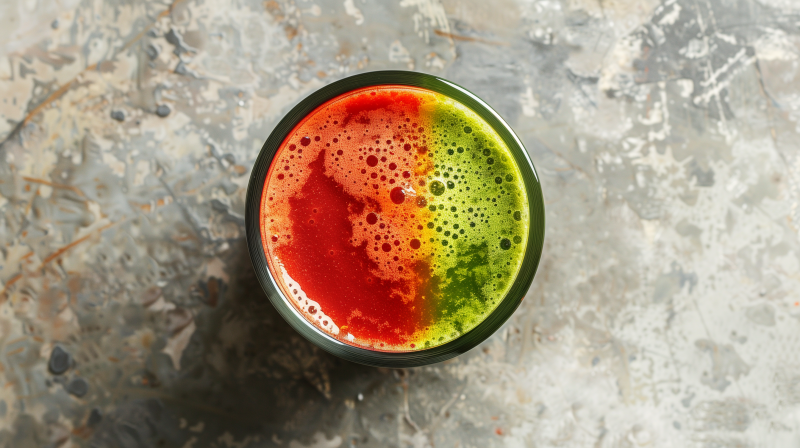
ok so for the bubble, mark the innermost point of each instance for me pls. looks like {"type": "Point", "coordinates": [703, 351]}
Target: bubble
{"type": "Point", "coordinates": [505, 244]}
{"type": "Point", "coordinates": [432, 208]}
{"type": "Point", "coordinates": [517, 239]}
{"type": "Point", "coordinates": [437, 188]}
{"type": "Point", "coordinates": [392, 166]}
{"type": "Point", "coordinates": [498, 180]}
{"type": "Point", "coordinates": [372, 161]}
{"type": "Point", "coordinates": [490, 161]}
{"type": "Point", "coordinates": [517, 216]}
{"type": "Point", "coordinates": [509, 178]}
{"type": "Point", "coordinates": [486, 151]}
{"type": "Point", "coordinates": [430, 225]}
{"type": "Point", "coordinates": [305, 141]}
{"type": "Point", "coordinates": [387, 247]}
{"type": "Point", "coordinates": [460, 150]}
{"type": "Point", "coordinates": [406, 174]}
{"type": "Point", "coordinates": [396, 243]}
{"type": "Point", "coordinates": [397, 195]}
{"type": "Point", "coordinates": [274, 239]}
{"type": "Point", "coordinates": [339, 152]}
{"type": "Point", "coordinates": [450, 152]}
{"type": "Point", "coordinates": [372, 218]}
{"type": "Point", "coordinates": [445, 242]}
{"type": "Point", "coordinates": [421, 202]}
{"type": "Point", "coordinates": [280, 176]}
{"type": "Point", "coordinates": [467, 130]}
{"type": "Point", "coordinates": [292, 147]}
{"type": "Point", "coordinates": [316, 139]}
{"type": "Point", "coordinates": [415, 244]}
{"type": "Point", "coordinates": [407, 147]}
{"type": "Point", "coordinates": [451, 184]}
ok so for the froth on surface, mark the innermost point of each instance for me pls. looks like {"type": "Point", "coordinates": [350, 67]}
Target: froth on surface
{"type": "Point", "coordinates": [401, 214]}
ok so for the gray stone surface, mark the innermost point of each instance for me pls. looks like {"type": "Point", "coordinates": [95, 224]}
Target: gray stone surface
{"type": "Point", "coordinates": [666, 310]}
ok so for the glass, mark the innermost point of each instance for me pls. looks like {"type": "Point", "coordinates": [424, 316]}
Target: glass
{"type": "Point", "coordinates": [417, 218]}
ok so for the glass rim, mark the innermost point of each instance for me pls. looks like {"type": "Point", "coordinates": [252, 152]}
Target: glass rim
{"type": "Point", "coordinates": [462, 343]}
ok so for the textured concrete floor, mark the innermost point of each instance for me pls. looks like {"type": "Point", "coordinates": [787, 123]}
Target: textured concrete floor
{"type": "Point", "coordinates": [666, 310]}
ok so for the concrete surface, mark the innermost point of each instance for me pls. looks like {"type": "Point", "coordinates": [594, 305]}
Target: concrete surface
{"type": "Point", "coordinates": [666, 311]}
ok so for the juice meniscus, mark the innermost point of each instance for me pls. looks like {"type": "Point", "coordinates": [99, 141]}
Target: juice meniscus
{"type": "Point", "coordinates": [394, 218]}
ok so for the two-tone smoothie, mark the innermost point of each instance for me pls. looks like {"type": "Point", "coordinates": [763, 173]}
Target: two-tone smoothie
{"type": "Point", "coordinates": [394, 218]}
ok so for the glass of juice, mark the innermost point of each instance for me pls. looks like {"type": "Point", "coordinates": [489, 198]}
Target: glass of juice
{"type": "Point", "coordinates": [394, 219]}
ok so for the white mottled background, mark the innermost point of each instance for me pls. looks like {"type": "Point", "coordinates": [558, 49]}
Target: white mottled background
{"type": "Point", "coordinates": [665, 313]}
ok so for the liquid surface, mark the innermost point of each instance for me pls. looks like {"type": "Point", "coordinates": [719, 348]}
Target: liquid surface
{"type": "Point", "coordinates": [394, 218]}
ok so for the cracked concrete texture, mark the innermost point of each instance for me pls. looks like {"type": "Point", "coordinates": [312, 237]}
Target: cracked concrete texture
{"type": "Point", "coordinates": [665, 312]}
